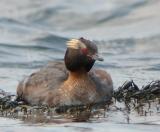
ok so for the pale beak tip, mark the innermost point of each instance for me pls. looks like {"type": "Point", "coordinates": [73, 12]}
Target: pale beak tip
{"type": "Point", "coordinates": [100, 59]}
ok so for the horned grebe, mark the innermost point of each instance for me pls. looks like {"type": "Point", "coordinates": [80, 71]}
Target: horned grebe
{"type": "Point", "coordinates": [69, 83]}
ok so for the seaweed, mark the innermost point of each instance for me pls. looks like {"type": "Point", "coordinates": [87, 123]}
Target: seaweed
{"type": "Point", "coordinates": [129, 93]}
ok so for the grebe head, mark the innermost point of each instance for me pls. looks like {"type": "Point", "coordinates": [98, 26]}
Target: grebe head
{"type": "Point", "coordinates": [81, 54]}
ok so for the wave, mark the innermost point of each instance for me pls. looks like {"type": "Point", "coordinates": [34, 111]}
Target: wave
{"type": "Point", "coordinates": [154, 67]}
{"type": "Point", "coordinates": [130, 45]}
{"type": "Point", "coordinates": [10, 21]}
{"type": "Point", "coordinates": [51, 39]}
{"type": "Point", "coordinates": [44, 42]}
{"type": "Point", "coordinates": [122, 11]}
{"type": "Point", "coordinates": [23, 65]}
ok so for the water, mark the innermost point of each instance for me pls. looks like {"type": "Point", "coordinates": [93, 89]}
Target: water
{"type": "Point", "coordinates": [34, 32]}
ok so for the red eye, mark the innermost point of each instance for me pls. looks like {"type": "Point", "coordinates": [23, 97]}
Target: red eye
{"type": "Point", "coordinates": [84, 51]}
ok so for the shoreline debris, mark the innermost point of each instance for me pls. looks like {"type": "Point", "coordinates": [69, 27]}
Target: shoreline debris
{"type": "Point", "coordinates": [144, 101]}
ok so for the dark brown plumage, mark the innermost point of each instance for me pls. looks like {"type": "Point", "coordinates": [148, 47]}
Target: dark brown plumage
{"type": "Point", "coordinates": [69, 83]}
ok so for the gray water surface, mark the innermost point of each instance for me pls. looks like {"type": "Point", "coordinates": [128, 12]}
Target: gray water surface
{"type": "Point", "coordinates": [127, 34]}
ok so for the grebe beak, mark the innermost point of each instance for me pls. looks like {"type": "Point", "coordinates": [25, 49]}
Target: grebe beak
{"type": "Point", "coordinates": [97, 57]}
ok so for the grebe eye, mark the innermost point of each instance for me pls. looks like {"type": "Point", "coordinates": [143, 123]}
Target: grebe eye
{"type": "Point", "coordinates": [84, 51]}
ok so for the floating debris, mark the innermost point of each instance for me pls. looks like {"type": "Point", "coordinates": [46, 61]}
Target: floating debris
{"type": "Point", "coordinates": [144, 101]}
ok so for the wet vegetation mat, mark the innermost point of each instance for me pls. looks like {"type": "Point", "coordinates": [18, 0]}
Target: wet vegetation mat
{"type": "Point", "coordinates": [128, 98]}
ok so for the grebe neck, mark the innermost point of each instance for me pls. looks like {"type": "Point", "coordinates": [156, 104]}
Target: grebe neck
{"type": "Point", "coordinates": [77, 80]}
{"type": "Point", "coordinates": [78, 75]}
